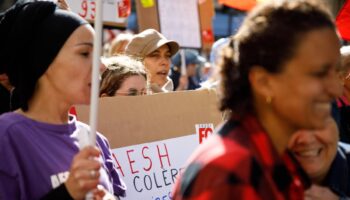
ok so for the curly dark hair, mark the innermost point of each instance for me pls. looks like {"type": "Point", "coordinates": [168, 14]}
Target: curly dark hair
{"type": "Point", "coordinates": [267, 38]}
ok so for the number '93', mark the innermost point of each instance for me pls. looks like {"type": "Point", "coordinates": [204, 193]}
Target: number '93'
{"type": "Point", "coordinates": [88, 8]}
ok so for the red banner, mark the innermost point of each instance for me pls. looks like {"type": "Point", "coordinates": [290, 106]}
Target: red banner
{"type": "Point", "coordinates": [343, 21]}
{"type": "Point", "coordinates": [124, 8]}
{"type": "Point", "coordinates": [239, 4]}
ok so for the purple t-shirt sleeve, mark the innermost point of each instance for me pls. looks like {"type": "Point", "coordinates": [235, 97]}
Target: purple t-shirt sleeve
{"type": "Point", "coordinates": [9, 186]}
{"type": "Point", "coordinates": [36, 157]}
{"type": "Point", "coordinates": [119, 186]}
{"type": "Point", "coordinates": [32, 154]}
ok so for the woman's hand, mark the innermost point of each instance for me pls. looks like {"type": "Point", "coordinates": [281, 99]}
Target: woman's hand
{"type": "Point", "coordinates": [101, 194]}
{"type": "Point", "coordinates": [62, 4]}
{"type": "Point", "coordinates": [320, 193]}
{"type": "Point", "coordinates": [84, 173]}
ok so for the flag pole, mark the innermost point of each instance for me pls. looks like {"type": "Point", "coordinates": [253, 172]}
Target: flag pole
{"type": "Point", "coordinates": [95, 78]}
{"type": "Point", "coordinates": [95, 72]}
{"type": "Point", "coordinates": [183, 62]}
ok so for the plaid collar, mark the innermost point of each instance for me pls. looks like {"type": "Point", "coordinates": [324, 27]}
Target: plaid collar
{"type": "Point", "coordinates": [285, 169]}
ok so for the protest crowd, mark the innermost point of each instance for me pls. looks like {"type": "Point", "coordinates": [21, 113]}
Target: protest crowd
{"type": "Point", "coordinates": [267, 105]}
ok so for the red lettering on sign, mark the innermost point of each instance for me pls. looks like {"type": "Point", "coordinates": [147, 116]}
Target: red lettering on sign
{"type": "Point", "coordinates": [88, 7]}
{"type": "Point", "coordinates": [131, 161]}
{"type": "Point", "coordinates": [146, 157]}
{"type": "Point", "coordinates": [93, 9]}
{"type": "Point", "coordinates": [84, 7]}
{"type": "Point", "coordinates": [203, 133]}
{"type": "Point", "coordinates": [118, 165]}
{"type": "Point", "coordinates": [164, 155]}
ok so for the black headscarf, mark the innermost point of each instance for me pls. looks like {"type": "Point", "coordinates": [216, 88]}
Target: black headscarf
{"type": "Point", "coordinates": [31, 35]}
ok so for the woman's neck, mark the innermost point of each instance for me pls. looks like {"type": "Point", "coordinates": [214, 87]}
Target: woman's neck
{"type": "Point", "coordinates": [45, 107]}
{"type": "Point", "coordinates": [159, 82]}
{"type": "Point", "coordinates": [278, 134]}
{"type": "Point", "coordinates": [277, 129]}
{"type": "Point", "coordinates": [319, 180]}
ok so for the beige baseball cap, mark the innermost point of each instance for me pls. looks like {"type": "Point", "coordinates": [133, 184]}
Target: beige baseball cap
{"type": "Point", "coordinates": [147, 41]}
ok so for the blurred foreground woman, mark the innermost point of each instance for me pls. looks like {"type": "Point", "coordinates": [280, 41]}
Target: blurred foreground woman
{"type": "Point", "coordinates": [278, 76]}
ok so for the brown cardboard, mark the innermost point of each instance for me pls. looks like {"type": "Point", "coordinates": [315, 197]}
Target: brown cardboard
{"type": "Point", "coordinates": [139, 119]}
{"type": "Point", "coordinates": [149, 18]}
{"type": "Point", "coordinates": [206, 14]}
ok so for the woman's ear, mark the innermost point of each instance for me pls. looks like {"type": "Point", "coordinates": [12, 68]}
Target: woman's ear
{"type": "Point", "coordinates": [260, 81]}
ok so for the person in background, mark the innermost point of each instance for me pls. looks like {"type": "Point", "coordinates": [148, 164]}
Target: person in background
{"type": "Point", "coordinates": [216, 48]}
{"type": "Point", "coordinates": [119, 44]}
{"type": "Point", "coordinates": [155, 51]}
{"type": "Point", "coordinates": [206, 71]}
{"type": "Point", "coordinates": [326, 161]}
{"type": "Point", "coordinates": [189, 81]}
{"type": "Point", "coordinates": [213, 80]}
{"type": "Point", "coordinates": [344, 99]}
{"type": "Point", "coordinates": [41, 145]}
{"type": "Point", "coordinates": [345, 72]}
{"type": "Point", "coordinates": [274, 85]}
{"type": "Point", "coordinates": [124, 76]}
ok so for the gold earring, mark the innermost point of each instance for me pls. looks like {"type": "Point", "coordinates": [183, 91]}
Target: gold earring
{"type": "Point", "coordinates": [268, 99]}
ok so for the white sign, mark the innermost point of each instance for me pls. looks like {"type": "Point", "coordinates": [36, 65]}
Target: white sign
{"type": "Point", "coordinates": [179, 21]}
{"type": "Point", "coordinates": [114, 11]}
{"type": "Point", "coordinates": [150, 170]}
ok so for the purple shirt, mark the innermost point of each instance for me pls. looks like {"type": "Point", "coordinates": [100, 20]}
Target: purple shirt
{"type": "Point", "coordinates": [35, 157]}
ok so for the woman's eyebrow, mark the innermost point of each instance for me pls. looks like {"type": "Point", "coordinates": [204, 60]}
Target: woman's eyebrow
{"type": "Point", "coordinates": [85, 43]}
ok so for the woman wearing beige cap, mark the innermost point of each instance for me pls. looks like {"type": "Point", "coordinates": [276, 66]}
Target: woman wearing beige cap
{"type": "Point", "coordinates": [156, 51]}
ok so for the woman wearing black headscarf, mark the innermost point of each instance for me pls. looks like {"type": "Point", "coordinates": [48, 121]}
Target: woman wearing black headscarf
{"type": "Point", "coordinates": [47, 54]}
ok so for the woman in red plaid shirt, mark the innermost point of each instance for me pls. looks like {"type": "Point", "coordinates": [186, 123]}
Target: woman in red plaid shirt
{"type": "Point", "coordinates": [278, 76]}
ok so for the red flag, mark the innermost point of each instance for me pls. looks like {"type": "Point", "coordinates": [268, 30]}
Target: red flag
{"type": "Point", "coordinates": [245, 5]}
{"type": "Point", "coordinates": [343, 21]}
{"type": "Point", "coordinates": [239, 4]}
{"type": "Point", "coordinates": [124, 8]}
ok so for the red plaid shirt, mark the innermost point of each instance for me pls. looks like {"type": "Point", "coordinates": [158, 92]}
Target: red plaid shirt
{"type": "Point", "coordinates": [241, 163]}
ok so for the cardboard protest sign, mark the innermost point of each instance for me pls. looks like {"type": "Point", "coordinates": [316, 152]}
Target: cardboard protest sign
{"type": "Point", "coordinates": [184, 27]}
{"type": "Point", "coordinates": [152, 136]}
{"type": "Point", "coordinates": [206, 15]}
{"type": "Point", "coordinates": [139, 119]}
{"type": "Point", "coordinates": [191, 27]}
{"type": "Point", "coordinates": [115, 12]}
